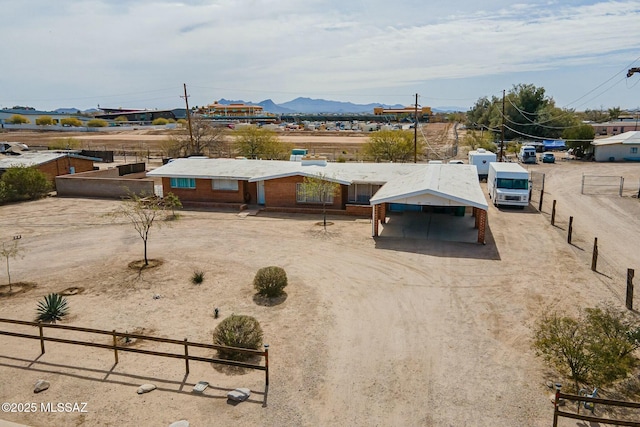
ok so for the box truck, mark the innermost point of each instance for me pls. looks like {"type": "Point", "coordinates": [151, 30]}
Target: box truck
{"type": "Point", "coordinates": [481, 159]}
{"type": "Point", "coordinates": [508, 184]}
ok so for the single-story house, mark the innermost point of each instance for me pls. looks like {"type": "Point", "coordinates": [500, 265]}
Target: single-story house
{"type": "Point", "coordinates": [625, 146]}
{"type": "Point", "coordinates": [366, 189]}
{"type": "Point", "coordinates": [51, 164]}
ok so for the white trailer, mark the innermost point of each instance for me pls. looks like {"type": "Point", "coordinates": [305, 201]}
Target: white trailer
{"type": "Point", "coordinates": [508, 184]}
{"type": "Point", "coordinates": [527, 154]}
{"type": "Point", "coordinates": [481, 159]}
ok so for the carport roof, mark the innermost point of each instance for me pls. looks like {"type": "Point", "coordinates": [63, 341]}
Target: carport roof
{"type": "Point", "coordinates": [457, 185]}
{"type": "Point", "coordinates": [631, 137]}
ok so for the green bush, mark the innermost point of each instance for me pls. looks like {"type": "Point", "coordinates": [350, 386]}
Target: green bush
{"type": "Point", "coordinates": [239, 331]}
{"type": "Point", "coordinates": [270, 281]}
{"type": "Point", "coordinates": [160, 121]}
{"type": "Point", "coordinates": [23, 183]}
{"type": "Point", "coordinates": [71, 121]}
{"type": "Point", "coordinates": [97, 123]}
{"type": "Point", "coordinates": [53, 307]}
{"type": "Point", "coordinates": [17, 119]}
{"type": "Point", "coordinates": [45, 121]}
{"type": "Point", "coordinates": [198, 277]}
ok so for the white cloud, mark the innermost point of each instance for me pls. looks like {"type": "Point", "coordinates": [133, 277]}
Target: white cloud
{"type": "Point", "coordinates": [72, 50]}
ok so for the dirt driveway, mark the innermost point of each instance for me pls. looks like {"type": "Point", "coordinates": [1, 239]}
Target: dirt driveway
{"type": "Point", "coordinates": [372, 332]}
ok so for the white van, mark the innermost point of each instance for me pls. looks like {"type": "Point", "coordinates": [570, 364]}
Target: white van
{"type": "Point", "coordinates": [508, 184]}
{"type": "Point", "coordinates": [527, 154]}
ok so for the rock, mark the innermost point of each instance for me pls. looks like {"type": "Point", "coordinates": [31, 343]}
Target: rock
{"type": "Point", "coordinates": [41, 385]}
{"type": "Point", "coordinates": [239, 394]}
{"type": "Point", "coordinates": [181, 423]}
{"type": "Point", "coordinates": [146, 388]}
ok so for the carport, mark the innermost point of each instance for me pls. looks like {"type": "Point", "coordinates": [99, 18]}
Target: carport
{"type": "Point", "coordinates": [438, 186]}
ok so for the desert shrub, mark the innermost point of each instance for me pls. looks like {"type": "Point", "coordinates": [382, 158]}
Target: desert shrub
{"type": "Point", "coordinates": [238, 331]}
{"type": "Point", "coordinates": [160, 121]}
{"type": "Point", "coordinates": [97, 123]}
{"type": "Point", "coordinates": [71, 121]}
{"type": "Point", "coordinates": [121, 119]}
{"type": "Point", "coordinates": [23, 183]}
{"type": "Point", "coordinates": [54, 307]}
{"type": "Point", "coordinates": [44, 121]}
{"type": "Point", "coordinates": [198, 277]}
{"type": "Point", "coordinates": [17, 119]}
{"type": "Point", "coordinates": [270, 281]}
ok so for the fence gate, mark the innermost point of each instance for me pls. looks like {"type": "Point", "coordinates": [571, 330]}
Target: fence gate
{"type": "Point", "coordinates": [602, 185]}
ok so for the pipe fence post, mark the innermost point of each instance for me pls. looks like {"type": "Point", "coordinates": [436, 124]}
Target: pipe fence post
{"type": "Point", "coordinates": [594, 255]}
{"type": "Point", "coordinates": [266, 364]}
{"type": "Point", "coordinates": [541, 198]}
{"type": "Point", "coordinates": [553, 213]}
{"type": "Point", "coordinates": [621, 185]}
{"type": "Point", "coordinates": [570, 230]}
{"type": "Point", "coordinates": [630, 274]}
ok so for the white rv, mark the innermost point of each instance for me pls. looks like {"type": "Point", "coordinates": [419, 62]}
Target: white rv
{"type": "Point", "coordinates": [481, 159]}
{"type": "Point", "coordinates": [527, 154]}
{"type": "Point", "coordinates": [508, 184]}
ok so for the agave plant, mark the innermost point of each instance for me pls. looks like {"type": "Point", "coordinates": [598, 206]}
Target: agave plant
{"type": "Point", "coordinates": [53, 307]}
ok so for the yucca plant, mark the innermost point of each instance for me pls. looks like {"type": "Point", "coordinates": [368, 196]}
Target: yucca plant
{"type": "Point", "coordinates": [53, 307]}
{"type": "Point", "coordinates": [198, 277]}
{"type": "Point", "coordinates": [238, 331]}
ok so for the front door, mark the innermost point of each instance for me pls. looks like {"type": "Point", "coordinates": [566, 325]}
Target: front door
{"type": "Point", "coordinates": [261, 192]}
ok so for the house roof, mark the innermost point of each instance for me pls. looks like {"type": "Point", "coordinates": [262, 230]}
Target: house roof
{"type": "Point", "coordinates": [631, 137]}
{"type": "Point", "coordinates": [436, 185]}
{"type": "Point", "coordinates": [37, 158]}
{"type": "Point", "coordinates": [420, 184]}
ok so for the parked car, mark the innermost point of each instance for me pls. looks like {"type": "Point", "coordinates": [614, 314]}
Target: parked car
{"type": "Point", "coordinates": [548, 158]}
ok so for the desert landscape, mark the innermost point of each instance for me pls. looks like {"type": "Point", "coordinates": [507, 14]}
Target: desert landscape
{"type": "Point", "coordinates": [385, 331]}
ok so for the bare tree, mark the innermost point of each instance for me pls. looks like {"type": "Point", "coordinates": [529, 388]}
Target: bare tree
{"type": "Point", "coordinates": [142, 211]}
{"type": "Point", "coordinates": [319, 189]}
{"type": "Point", "coordinates": [208, 139]}
{"type": "Point", "coordinates": [11, 250]}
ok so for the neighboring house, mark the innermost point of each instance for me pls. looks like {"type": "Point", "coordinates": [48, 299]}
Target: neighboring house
{"type": "Point", "coordinates": [33, 115]}
{"type": "Point", "coordinates": [621, 147]}
{"type": "Point", "coordinates": [278, 185]}
{"type": "Point", "coordinates": [616, 127]}
{"type": "Point", "coordinates": [51, 164]}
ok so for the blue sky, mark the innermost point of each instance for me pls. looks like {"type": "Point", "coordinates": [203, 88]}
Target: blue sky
{"type": "Point", "coordinates": [138, 53]}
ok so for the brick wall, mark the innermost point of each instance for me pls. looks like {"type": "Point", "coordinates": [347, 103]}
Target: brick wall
{"type": "Point", "coordinates": [204, 192]}
{"type": "Point", "coordinates": [281, 192]}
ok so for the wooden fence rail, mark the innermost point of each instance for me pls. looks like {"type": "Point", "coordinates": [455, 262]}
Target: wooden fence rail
{"type": "Point", "coordinates": [557, 413]}
{"type": "Point", "coordinates": [116, 348]}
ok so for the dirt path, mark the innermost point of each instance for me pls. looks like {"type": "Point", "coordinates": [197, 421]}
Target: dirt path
{"type": "Point", "coordinates": [372, 332]}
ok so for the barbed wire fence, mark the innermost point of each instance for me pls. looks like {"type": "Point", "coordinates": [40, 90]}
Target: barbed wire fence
{"type": "Point", "coordinates": [617, 278]}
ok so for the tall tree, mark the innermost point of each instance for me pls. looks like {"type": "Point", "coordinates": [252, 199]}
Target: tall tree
{"type": "Point", "coordinates": [391, 146]}
{"type": "Point", "coordinates": [579, 137]}
{"type": "Point", "coordinates": [208, 138]}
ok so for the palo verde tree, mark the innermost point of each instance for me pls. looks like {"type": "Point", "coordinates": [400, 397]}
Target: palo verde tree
{"type": "Point", "coordinates": [143, 211]}
{"type": "Point", "coordinates": [44, 121]}
{"type": "Point", "coordinates": [318, 190]}
{"type": "Point", "coordinates": [596, 348]}
{"type": "Point", "coordinates": [257, 143]}
{"type": "Point", "coordinates": [71, 121]}
{"type": "Point", "coordinates": [391, 146]}
{"type": "Point", "coordinates": [10, 251]}
{"type": "Point", "coordinates": [17, 119]}
{"type": "Point", "coordinates": [97, 123]}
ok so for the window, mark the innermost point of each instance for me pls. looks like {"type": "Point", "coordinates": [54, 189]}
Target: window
{"type": "Point", "coordinates": [634, 150]}
{"type": "Point", "coordinates": [225, 184]}
{"type": "Point", "coordinates": [361, 193]}
{"type": "Point", "coordinates": [303, 196]}
{"type": "Point", "coordinates": [183, 183]}
{"type": "Point", "coordinates": [512, 184]}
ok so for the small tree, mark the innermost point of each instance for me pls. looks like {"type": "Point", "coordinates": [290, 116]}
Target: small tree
{"type": "Point", "coordinates": [160, 121]}
{"type": "Point", "coordinates": [10, 251]}
{"type": "Point", "coordinates": [64, 144]}
{"type": "Point", "coordinates": [71, 121]}
{"type": "Point", "coordinates": [53, 308]}
{"type": "Point", "coordinates": [318, 189]}
{"type": "Point", "coordinates": [270, 281]}
{"type": "Point", "coordinates": [171, 201]}
{"type": "Point", "coordinates": [254, 143]}
{"type": "Point", "coordinates": [239, 331]}
{"type": "Point", "coordinates": [97, 123]}
{"type": "Point", "coordinates": [121, 119]}
{"type": "Point", "coordinates": [142, 211]}
{"type": "Point", "coordinates": [17, 119]}
{"type": "Point", "coordinates": [44, 121]}
{"type": "Point", "coordinates": [391, 146]}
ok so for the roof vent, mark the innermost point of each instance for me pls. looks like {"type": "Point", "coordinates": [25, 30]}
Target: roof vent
{"type": "Point", "coordinates": [481, 150]}
{"type": "Point", "coordinates": [314, 160]}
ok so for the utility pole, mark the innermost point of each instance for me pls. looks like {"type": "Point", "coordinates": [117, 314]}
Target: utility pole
{"type": "Point", "coordinates": [502, 130]}
{"type": "Point", "coordinates": [415, 133]}
{"type": "Point", "coordinates": [186, 100]}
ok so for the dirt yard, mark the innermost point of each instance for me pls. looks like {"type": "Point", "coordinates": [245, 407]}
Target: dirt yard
{"type": "Point", "coordinates": [372, 332]}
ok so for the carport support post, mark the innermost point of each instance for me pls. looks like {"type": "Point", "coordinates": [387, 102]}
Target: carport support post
{"type": "Point", "coordinates": [374, 221]}
{"type": "Point", "coordinates": [482, 225]}
{"type": "Point", "coordinates": [553, 213]}
{"type": "Point", "coordinates": [630, 274]}
{"type": "Point", "coordinates": [594, 256]}
{"type": "Point", "coordinates": [570, 230]}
